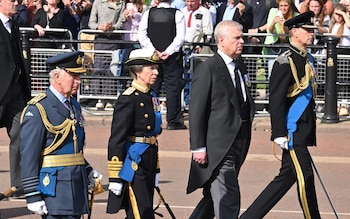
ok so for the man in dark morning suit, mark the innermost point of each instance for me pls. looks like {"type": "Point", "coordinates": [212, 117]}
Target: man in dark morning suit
{"type": "Point", "coordinates": [293, 122]}
{"type": "Point", "coordinates": [56, 177]}
{"type": "Point", "coordinates": [14, 86]}
{"type": "Point", "coordinates": [220, 118]}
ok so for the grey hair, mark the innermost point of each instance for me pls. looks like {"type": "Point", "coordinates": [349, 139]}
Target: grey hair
{"type": "Point", "coordinates": [54, 71]}
{"type": "Point", "coordinates": [133, 69]}
{"type": "Point", "coordinates": [223, 28]}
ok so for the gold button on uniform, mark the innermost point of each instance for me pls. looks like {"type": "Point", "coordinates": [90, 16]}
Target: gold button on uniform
{"type": "Point", "coordinates": [149, 127]}
{"type": "Point", "coordinates": [146, 115]}
{"type": "Point", "coordinates": [136, 93]}
{"type": "Point", "coordinates": [142, 104]}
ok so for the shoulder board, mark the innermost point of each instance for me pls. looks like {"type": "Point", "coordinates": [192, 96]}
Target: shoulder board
{"type": "Point", "coordinates": [283, 58]}
{"type": "Point", "coordinates": [128, 91]}
{"type": "Point", "coordinates": [37, 98]}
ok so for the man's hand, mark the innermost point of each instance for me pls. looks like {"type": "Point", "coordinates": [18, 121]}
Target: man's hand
{"type": "Point", "coordinates": [163, 55]}
{"type": "Point", "coordinates": [241, 8]}
{"type": "Point", "coordinates": [282, 142]}
{"type": "Point", "coordinates": [37, 207]}
{"type": "Point", "coordinates": [116, 188]}
{"type": "Point", "coordinates": [200, 157]}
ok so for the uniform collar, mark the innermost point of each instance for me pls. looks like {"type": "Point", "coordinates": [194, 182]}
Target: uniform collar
{"type": "Point", "coordinates": [140, 87]}
{"type": "Point", "coordinates": [298, 50]}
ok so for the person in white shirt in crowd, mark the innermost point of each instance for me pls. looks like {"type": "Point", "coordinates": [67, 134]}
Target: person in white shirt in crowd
{"type": "Point", "coordinates": [199, 24]}
{"type": "Point", "coordinates": [199, 28]}
{"type": "Point", "coordinates": [340, 25]}
{"type": "Point", "coordinates": [162, 29]}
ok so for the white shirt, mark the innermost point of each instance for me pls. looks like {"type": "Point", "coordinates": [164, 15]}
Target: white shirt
{"type": "Point", "coordinates": [201, 24]}
{"type": "Point", "coordinates": [178, 40]}
{"type": "Point", "coordinates": [5, 22]}
{"type": "Point", "coordinates": [345, 40]}
{"type": "Point", "coordinates": [231, 68]}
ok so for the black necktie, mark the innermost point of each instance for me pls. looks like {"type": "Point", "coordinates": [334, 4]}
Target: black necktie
{"type": "Point", "coordinates": [238, 86]}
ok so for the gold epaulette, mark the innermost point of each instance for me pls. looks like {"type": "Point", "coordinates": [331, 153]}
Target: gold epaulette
{"type": "Point", "coordinates": [37, 98]}
{"type": "Point", "coordinates": [128, 91]}
{"type": "Point", "coordinates": [114, 167]}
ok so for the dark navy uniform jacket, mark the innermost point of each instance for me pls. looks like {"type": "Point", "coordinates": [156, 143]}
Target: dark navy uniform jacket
{"type": "Point", "coordinates": [72, 181]}
{"type": "Point", "coordinates": [280, 80]}
{"type": "Point", "coordinates": [133, 116]}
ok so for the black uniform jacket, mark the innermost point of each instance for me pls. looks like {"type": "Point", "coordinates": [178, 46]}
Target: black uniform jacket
{"type": "Point", "coordinates": [281, 78]}
{"type": "Point", "coordinates": [133, 116]}
{"type": "Point", "coordinates": [214, 117]}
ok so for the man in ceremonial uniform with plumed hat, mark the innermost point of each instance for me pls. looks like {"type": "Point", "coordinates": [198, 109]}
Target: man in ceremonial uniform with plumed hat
{"type": "Point", "coordinates": [293, 122]}
{"type": "Point", "coordinates": [56, 177]}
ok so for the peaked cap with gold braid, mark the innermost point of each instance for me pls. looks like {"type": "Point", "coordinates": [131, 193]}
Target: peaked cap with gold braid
{"type": "Point", "coordinates": [143, 57]}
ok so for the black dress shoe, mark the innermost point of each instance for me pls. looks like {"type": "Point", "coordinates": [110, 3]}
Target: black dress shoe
{"type": "Point", "coordinates": [175, 126]}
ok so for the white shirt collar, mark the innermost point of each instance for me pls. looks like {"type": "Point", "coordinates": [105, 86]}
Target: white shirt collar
{"type": "Point", "coordinates": [59, 96]}
{"type": "Point", "coordinates": [163, 5]}
{"type": "Point", "coordinates": [227, 59]}
{"type": "Point", "coordinates": [3, 18]}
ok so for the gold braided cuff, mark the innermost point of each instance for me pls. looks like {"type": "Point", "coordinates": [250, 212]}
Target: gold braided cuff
{"type": "Point", "coordinates": [114, 167]}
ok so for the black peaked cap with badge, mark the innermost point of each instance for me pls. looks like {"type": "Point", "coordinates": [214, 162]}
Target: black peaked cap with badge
{"type": "Point", "coordinates": [143, 57]}
{"type": "Point", "coordinates": [302, 20]}
{"type": "Point", "coordinates": [70, 61]}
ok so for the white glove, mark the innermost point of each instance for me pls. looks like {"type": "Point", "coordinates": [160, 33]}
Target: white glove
{"type": "Point", "coordinates": [156, 180]}
{"type": "Point", "coordinates": [282, 142]}
{"type": "Point", "coordinates": [38, 207]}
{"type": "Point", "coordinates": [116, 188]}
{"type": "Point", "coordinates": [93, 175]}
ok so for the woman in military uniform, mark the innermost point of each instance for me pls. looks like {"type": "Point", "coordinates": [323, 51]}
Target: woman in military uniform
{"type": "Point", "coordinates": [132, 147]}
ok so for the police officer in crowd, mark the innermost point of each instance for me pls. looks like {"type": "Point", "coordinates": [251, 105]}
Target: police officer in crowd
{"type": "Point", "coordinates": [55, 175]}
{"type": "Point", "coordinates": [14, 86]}
{"type": "Point", "coordinates": [132, 148]}
{"type": "Point", "coordinates": [162, 28]}
{"type": "Point", "coordinates": [293, 122]}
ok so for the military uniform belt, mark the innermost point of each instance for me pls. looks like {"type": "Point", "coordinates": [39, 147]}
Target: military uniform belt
{"type": "Point", "coordinates": [63, 160]}
{"type": "Point", "coordinates": [145, 140]}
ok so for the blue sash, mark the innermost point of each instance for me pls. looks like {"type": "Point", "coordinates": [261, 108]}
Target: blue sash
{"type": "Point", "coordinates": [295, 112]}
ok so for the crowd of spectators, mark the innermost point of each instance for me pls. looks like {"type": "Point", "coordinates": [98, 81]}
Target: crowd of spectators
{"type": "Point", "coordinates": [256, 17]}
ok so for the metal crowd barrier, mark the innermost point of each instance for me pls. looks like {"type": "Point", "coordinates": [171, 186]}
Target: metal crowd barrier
{"type": "Point", "coordinates": [108, 86]}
